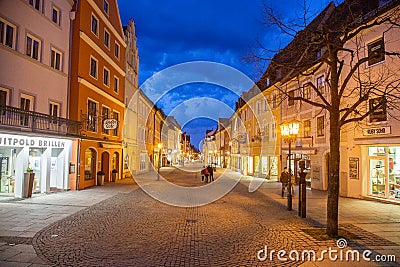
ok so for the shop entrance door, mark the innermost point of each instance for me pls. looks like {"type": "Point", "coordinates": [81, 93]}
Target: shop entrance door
{"type": "Point", "coordinates": [378, 176]}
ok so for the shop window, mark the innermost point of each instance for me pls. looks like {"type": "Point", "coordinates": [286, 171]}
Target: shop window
{"type": "Point", "coordinates": [321, 126]}
{"type": "Point", "coordinates": [90, 164]}
{"type": "Point", "coordinates": [376, 52]}
{"type": "Point", "coordinates": [92, 116]}
{"type": "Point", "coordinates": [7, 33]}
{"type": "Point", "coordinates": [33, 46]}
{"type": "Point", "coordinates": [377, 107]}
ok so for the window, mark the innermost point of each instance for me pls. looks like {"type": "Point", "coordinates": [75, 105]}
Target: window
{"type": "Point", "coordinates": [106, 6]}
{"type": "Point", "coordinates": [319, 53]}
{"type": "Point", "coordinates": [321, 84]}
{"type": "Point", "coordinates": [3, 99]}
{"type": "Point", "coordinates": [116, 50]}
{"type": "Point", "coordinates": [116, 84]}
{"type": "Point", "coordinates": [35, 3]}
{"type": "Point", "coordinates": [378, 105]}
{"type": "Point", "coordinates": [93, 67]}
{"type": "Point", "coordinates": [95, 25]}
{"type": "Point", "coordinates": [54, 109]}
{"type": "Point", "coordinates": [376, 52]}
{"type": "Point", "coordinates": [116, 130]}
{"type": "Point", "coordinates": [91, 116]}
{"type": "Point", "coordinates": [7, 34]}
{"type": "Point", "coordinates": [56, 59]}
{"type": "Point", "coordinates": [55, 15]}
{"type": "Point", "coordinates": [307, 128]}
{"type": "Point", "coordinates": [274, 100]}
{"type": "Point", "coordinates": [279, 73]}
{"type": "Point", "coordinates": [273, 130]}
{"type": "Point", "coordinates": [106, 77]}
{"type": "Point", "coordinates": [105, 113]}
{"type": "Point", "coordinates": [106, 38]}
{"type": "Point", "coordinates": [26, 104]}
{"type": "Point", "coordinates": [268, 82]}
{"type": "Point", "coordinates": [265, 104]}
{"type": "Point", "coordinates": [259, 107]}
{"type": "Point", "coordinates": [33, 47]}
{"type": "Point", "coordinates": [290, 98]}
{"type": "Point", "coordinates": [321, 126]}
{"type": "Point", "coordinates": [306, 91]}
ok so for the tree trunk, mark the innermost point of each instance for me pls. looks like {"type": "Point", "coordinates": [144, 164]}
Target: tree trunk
{"type": "Point", "coordinates": [334, 158]}
{"type": "Point", "coordinates": [333, 179]}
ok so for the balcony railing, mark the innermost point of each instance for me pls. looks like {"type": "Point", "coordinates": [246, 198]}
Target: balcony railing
{"type": "Point", "coordinates": [22, 120]}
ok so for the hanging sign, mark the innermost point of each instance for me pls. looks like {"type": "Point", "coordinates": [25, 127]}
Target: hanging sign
{"type": "Point", "coordinates": [110, 124]}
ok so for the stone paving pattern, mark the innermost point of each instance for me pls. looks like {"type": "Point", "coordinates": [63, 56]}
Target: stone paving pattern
{"type": "Point", "coordinates": [129, 228]}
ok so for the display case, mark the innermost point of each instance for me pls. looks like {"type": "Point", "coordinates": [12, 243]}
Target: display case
{"type": "Point", "coordinates": [394, 185]}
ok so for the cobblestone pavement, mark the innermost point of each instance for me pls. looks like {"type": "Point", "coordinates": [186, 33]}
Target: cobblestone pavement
{"type": "Point", "coordinates": [129, 228]}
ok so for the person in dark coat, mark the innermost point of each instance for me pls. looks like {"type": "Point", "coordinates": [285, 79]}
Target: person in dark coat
{"type": "Point", "coordinates": [211, 172]}
{"type": "Point", "coordinates": [284, 179]}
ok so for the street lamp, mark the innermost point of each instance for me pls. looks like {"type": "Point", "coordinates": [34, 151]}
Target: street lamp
{"type": "Point", "coordinates": [289, 131]}
{"type": "Point", "coordinates": [160, 146]}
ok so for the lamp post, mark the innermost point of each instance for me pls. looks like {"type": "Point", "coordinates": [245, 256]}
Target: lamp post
{"type": "Point", "coordinates": [160, 146]}
{"type": "Point", "coordinates": [289, 131]}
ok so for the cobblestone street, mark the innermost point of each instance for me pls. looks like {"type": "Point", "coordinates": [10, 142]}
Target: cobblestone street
{"type": "Point", "coordinates": [132, 229]}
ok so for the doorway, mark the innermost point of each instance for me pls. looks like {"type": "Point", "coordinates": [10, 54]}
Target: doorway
{"type": "Point", "coordinates": [105, 165]}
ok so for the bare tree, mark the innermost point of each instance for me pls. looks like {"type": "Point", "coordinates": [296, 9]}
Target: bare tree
{"type": "Point", "coordinates": [333, 41]}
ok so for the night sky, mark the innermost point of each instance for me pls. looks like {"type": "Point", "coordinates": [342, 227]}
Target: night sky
{"type": "Point", "coordinates": [223, 31]}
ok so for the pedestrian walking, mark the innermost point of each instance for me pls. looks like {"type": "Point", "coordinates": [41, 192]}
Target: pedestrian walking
{"type": "Point", "coordinates": [202, 174]}
{"type": "Point", "coordinates": [206, 174]}
{"type": "Point", "coordinates": [211, 172]}
{"type": "Point", "coordinates": [284, 179]}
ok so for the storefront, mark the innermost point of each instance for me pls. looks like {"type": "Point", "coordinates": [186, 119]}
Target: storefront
{"type": "Point", "coordinates": [48, 158]}
{"type": "Point", "coordinates": [384, 172]}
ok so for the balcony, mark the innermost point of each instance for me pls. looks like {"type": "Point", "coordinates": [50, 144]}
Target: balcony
{"type": "Point", "coordinates": [29, 121]}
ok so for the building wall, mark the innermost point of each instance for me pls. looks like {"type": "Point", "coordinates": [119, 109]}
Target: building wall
{"type": "Point", "coordinates": [84, 87]}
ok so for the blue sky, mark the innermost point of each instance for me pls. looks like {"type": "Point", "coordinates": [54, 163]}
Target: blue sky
{"type": "Point", "coordinates": [224, 31]}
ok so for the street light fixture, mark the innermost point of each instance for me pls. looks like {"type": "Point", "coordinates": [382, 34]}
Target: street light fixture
{"type": "Point", "coordinates": [289, 131]}
{"type": "Point", "coordinates": [160, 146]}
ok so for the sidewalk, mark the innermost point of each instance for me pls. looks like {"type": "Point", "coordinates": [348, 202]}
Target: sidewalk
{"type": "Point", "coordinates": [381, 221]}
{"type": "Point", "coordinates": [21, 219]}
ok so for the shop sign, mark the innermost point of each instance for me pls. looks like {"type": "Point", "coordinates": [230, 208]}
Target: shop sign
{"type": "Point", "coordinates": [377, 131]}
{"type": "Point", "coordinates": [110, 124]}
{"type": "Point", "coordinates": [25, 141]}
